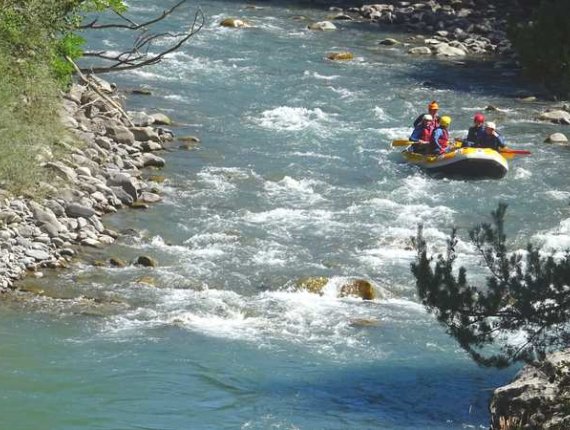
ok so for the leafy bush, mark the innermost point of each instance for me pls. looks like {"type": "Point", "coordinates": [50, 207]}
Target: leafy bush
{"type": "Point", "coordinates": [543, 44]}
{"type": "Point", "coordinates": [35, 37]}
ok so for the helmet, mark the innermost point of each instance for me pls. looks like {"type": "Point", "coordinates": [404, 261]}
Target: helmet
{"type": "Point", "coordinates": [427, 117]}
{"type": "Point", "coordinates": [479, 117]}
{"type": "Point", "coordinates": [445, 121]}
{"type": "Point", "coordinates": [433, 106]}
{"type": "Point", "coordinates": [490, 125]}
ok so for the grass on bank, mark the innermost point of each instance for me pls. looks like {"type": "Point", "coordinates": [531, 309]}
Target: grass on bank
{"type": "Point", "coordinates": [29, 123]}
{"type": "Point", "coordinates": [29, 96]}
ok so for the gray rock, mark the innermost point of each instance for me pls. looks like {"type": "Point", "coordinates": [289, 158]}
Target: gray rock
{"type": "Point", "coordinates": [145, 260]}
{"type": "Point", "coordinates": [556, 138]}
{"type": "Point", "coordinates": [62, 170]}
{"type": "Point", "coordinates": [123, 197]}
{"type": "Point", "coordinates": [322, 26]}
{"type": "Point", "coordinates": [556, 116]}
{"type": "Point", "coordinates": [151, 146]}
{"type": "Point", "coordinates": [446, 50]}
{"type": "Point", "coordinates": [127, 183]}
{"type": "Point", "coordinates": [536, 398]}
{"type": "Point", "coordinates": [148, 197]}
{"type": "Point", "coordinates": [420, 50]}
{"type": "Point", "coordinates": [37, 254]}
{"type": "Point", "coordinates": [120, 134]}
{"type": "Point", "coordinates": [389, 42]}
{"type": "Point", "coordinates": [75, 210]}
{"type": "Point", "coordinates": [160, 119]}
{"type": "Point", "coordinates": [145, 133]}
{"type": "Point", "coordinates": [151, 160]}
{"type": "Point", "coordinates": [141, 119]}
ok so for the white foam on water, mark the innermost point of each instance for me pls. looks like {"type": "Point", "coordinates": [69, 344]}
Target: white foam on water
{"type": "Point", "coordinates": [316, 75]}
{"type": "Point", "coordinates": [380, 114]}
{"type": "Point", "coordinates": [521, 173]}
{"type": "Point", "coordinates": [288, 216]}
{"type": "Point", "coordinates": [393, 133]}
{"type": "Point", "coordinates": [319, 323]}
{"type": "Point", "coordinates": [344, 93]}
{"type": "Point", "coordinates": [286, 118]}
{"type": "Point", "coordinates": [556, 239]}
{"type": "Point", "coordinates": [558, 194]}
{"type": "Point", "coordinates": [316, 155]}
{"type": "Point", "coordinates": [292, 188]}
{"type": "Point", "coordinates": [272, 257]}
{"type": "Point", "coordinates": [176, 97]}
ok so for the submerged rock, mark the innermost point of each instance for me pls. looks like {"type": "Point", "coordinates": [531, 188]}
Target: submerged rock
{"type": "Point", "coordinates": [146, 261]}
{"type": "Point", "coordinates": [340, 56]}
{"type": "Point", "coordinates": [313, 285]}
{"type": "Point", "coordinates": [358, 288]}
{"type": "Point", "coordinates": [234, 23]}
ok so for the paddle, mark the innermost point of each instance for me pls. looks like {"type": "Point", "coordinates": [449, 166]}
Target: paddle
{"type": "Point", "coordinates": [514, 151]}
{"type": "Point", "coordinates": [401, 142]}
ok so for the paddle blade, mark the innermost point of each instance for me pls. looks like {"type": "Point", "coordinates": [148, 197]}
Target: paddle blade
{"type": "Point", "coordinates": [514, 151]}
{"type": "Point", "coordinates": [401, 142]}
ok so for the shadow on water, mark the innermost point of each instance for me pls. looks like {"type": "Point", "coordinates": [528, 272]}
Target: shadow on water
{"type": "Point", "coordinates": [396, 394]}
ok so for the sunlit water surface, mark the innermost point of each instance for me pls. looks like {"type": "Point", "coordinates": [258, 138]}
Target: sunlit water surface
{"type": "Point", "coordinates": [293, 178]}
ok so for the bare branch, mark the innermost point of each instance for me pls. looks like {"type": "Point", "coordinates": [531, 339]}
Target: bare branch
{"type": "Point", "coordinates": [134, 58]}
{"type": "Point", "coordinates": [131, 24]}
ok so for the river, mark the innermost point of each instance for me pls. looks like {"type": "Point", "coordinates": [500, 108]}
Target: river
{"type": "Point", "coordinates": [293, 178]}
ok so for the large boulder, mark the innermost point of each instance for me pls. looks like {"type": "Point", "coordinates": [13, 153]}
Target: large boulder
{"type": "Point", "coordinates": [556, 138]}
{"type": "Point", "coordinates": [160, 119]}
{"type": "Point", "coordinates": [126, 182]}
{"type": "Point", "coordinates": [120, 134]}
{"type": "Point", "coordinates": [340, 56]}
{"type": "Point", "coordinates": [556, 116]}
{"type": "Point", "coordinates": [145, 133]}
{"type": "Point", "coordinates": [322, 26]}
{"type": "Point", "coordinates": [537, 398]}
{"type": "Point", "coordinates": [313, 284]}
{"type": "Point", "coordinates": [420, 50]}
{"type": "Point", "coordinates": [445, 50]}
{"type": "Point", "coordinates": [234, 23]}
{"type": "Point", "coordinates": [358, 288]}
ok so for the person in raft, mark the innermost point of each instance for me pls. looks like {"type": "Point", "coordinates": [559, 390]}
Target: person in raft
{"type": "Point", "coordinates": [475, 132]}
{"type": "Point", "coordinates": [421, 135]}
{"type": "Point", "coordinates": [433, 107]}
{"type": "Point", "coordinates": [440, 137]}
{"type": "Point", "coordinates": [490, 138]}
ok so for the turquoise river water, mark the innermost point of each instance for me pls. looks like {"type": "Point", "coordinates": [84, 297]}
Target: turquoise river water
{"type": "Point", "coordinates": [293, 178]}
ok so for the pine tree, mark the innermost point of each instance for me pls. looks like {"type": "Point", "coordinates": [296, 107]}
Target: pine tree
{"type": "Point", "coordinates": [527, 296]}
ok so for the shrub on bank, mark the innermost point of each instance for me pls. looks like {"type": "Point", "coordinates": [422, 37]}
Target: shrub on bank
{"type": "Point", "coordinates": [35, 37]}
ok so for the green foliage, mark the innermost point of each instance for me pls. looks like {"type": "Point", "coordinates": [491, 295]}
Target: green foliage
{"type": "Point", "coordinates": [35, 38]}
{"type": "Point", "coordinates": [525, 295]}
{"type": "Point", "coordinates": [543, 44]}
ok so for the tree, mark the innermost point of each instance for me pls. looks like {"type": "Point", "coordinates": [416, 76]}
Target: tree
{"type": "Point", "coordinates": [527, 296]}
{"type": "Point", "coordinates": [138, 55]}
{"type": "Point", "coordinates": [542, 42]}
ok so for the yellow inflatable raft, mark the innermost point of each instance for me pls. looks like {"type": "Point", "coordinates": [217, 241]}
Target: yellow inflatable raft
{"type": "Point", "coordinates": [462, 162]}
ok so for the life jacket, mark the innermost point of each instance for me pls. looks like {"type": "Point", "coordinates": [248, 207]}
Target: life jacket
{"type": "Point", "coordinates": [490, 141]}
{"type": "Point", "coordinates": [475, 134]}
{"type": "Point", "coordinates": [440, 140]}
{"type": "Point", "coordinates": [422, 132]}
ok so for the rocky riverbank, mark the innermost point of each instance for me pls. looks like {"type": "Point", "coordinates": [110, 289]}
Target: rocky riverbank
{"type": "Point", "coordinates": [444, 28]}
{"type": "Point", "coordinates": [102, 172]}
{"type": "Point", "coordinates": [538, 398]}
